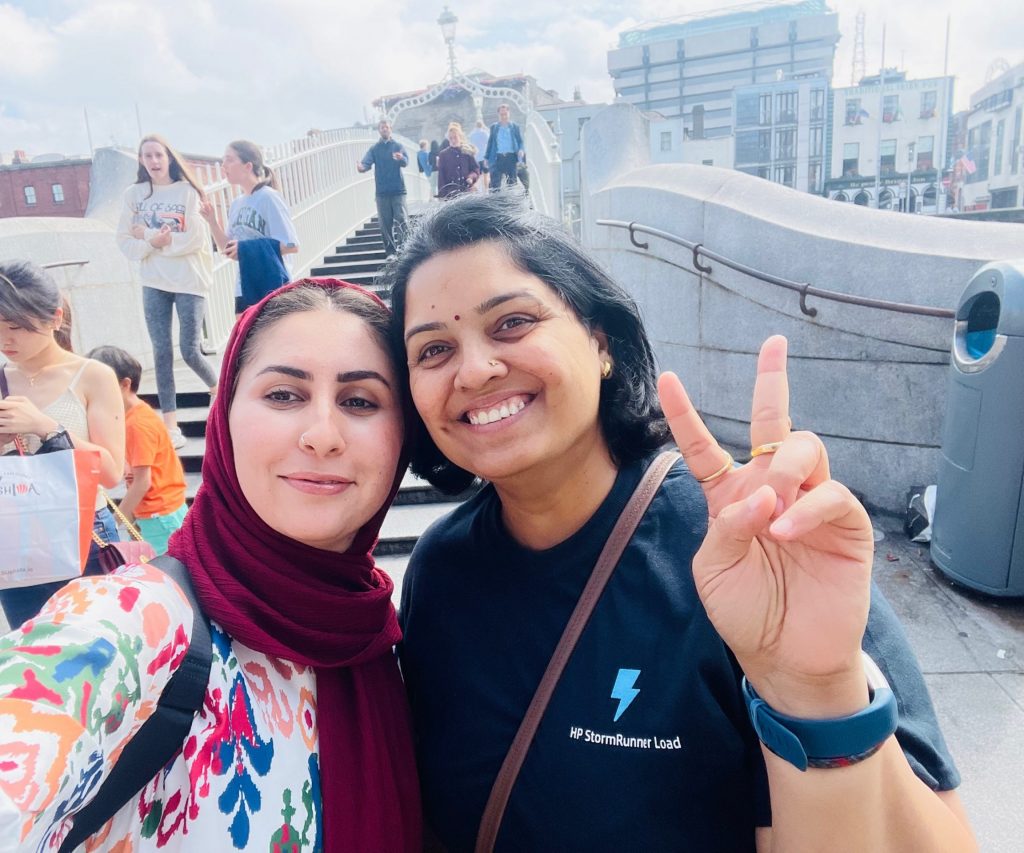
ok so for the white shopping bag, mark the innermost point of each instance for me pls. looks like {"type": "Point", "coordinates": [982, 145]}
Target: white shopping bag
{"type": "Point", "coordinates": [47, 504]}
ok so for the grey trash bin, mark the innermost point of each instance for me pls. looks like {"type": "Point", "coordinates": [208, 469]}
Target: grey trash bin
{"type": "Point", "coordinates": [978, 530]}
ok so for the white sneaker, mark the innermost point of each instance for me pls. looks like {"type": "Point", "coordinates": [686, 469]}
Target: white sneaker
{"type": "Point", "coordinates": [178, 439]}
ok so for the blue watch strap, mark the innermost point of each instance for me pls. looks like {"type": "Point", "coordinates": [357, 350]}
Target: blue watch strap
{"type": "Point", "coordinates": [835, 742]}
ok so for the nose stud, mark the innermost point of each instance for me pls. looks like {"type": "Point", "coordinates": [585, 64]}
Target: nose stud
{"type": "Point", "coordinates": [303, 441]}
{"type": "Point", "coordinates": [493, 363]}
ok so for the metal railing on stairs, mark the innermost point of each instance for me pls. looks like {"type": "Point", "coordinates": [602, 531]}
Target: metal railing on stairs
{"type": "Point", "coordinates": [805, 289]}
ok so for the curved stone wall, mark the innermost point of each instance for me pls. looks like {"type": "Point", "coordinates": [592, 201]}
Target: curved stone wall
{"type": "Point", "coordinates": [870, 382]}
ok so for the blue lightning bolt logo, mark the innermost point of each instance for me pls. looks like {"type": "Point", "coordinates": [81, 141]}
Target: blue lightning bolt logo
{"type": "Point", "coordinates": [624, 690]}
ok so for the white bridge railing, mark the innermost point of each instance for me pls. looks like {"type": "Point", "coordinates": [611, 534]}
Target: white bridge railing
{"type": "Point", "coordinates": [327, 197]}
{"type": "Point", "coordinates": [545, 165]}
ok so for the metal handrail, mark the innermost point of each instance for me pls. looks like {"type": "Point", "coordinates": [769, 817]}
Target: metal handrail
{"type": "Point", "coordinates": [805, 289]}
{"type": "Point", "coordinates": [55, 264]}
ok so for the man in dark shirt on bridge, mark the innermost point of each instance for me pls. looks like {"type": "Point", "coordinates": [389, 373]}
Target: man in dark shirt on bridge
{"type": "Point", "coordinates": [504, 149]}
{"type": "Point", "coordinates": [387, 158]}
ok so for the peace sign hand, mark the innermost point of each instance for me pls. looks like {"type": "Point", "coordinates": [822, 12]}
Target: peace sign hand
{"type": "Point", "coordinates": [784, 572]}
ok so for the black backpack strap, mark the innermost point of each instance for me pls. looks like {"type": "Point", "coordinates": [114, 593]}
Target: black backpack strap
{"type": "Point", "coordinates": [158, 739]}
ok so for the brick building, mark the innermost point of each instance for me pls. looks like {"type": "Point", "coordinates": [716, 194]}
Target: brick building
{"type": "Point", "coordinates": [54, 188]}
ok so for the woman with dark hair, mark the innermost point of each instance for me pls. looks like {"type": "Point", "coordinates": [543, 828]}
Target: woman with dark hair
{"type": "Point", "coordinates": [47, 390]}
{"type": "Point", "coordinates": [161, 228]}
{"type": "Point", "coordinates": [303, 740]}
{"type": "Point", "coordinates": [260, 213]}
{"type": "Point", "coordinates": [457, 168]}
{"type": "Point", "coordinates": [735, 613]}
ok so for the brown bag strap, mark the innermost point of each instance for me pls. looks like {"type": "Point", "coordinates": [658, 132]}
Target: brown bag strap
{"type": "Point", "coordinates": [623, 531]}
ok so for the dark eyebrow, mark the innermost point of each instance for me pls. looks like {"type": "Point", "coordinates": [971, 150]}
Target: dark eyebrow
{"type": "Point", "coordinates": [482, 308]}
{"type": "Point", "coordinates": [348, 376]}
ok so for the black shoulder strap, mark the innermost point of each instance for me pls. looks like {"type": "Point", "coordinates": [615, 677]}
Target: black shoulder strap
{"type": "Point", "coordinates": [162, 735]}
{"type": "Point", "coordinates": [3, 382]}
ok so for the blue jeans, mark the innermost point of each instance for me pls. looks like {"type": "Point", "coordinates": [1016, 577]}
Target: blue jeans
{"type": "Point", "coordinates": [25, 602]}
{"type": "Point", "coordinates": [158, 306]}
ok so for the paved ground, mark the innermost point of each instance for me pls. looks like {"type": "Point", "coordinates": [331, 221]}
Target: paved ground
{"type": "Point", "coordinates": [971, 649]}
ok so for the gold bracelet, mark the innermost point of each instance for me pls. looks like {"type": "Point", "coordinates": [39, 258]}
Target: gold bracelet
{"type": "Point", "coordinates": [729, 462]}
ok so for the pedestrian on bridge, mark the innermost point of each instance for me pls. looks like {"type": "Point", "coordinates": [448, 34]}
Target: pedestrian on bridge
{"type": "Point", "coordinates": [301, 736]}
{"type": "Point", "coordinates": [161, 228]}
{"type": "Point", "coordinates": [456, 165]}
{"type": "Point", "coordinates": [260, 234]}
{"type": "Point", "coordinates": [387, 158]}
{"type": "Point", "coordinates": [504, 150]}
{"type": "Point", "coordinates": [615, 627]}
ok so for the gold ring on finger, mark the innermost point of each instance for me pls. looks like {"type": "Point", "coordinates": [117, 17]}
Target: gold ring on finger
{"type": "Point", "coordinates": [729, 462]}
{"type": "Point", "coordinates": [761, 449]}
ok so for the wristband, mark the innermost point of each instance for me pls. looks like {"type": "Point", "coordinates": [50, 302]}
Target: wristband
{"type": "Point", "coordinates": [835, 742]}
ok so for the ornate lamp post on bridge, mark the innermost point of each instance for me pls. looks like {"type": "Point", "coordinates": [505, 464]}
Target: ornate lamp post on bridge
{"type": "Point", "coordinates": [455, 78]}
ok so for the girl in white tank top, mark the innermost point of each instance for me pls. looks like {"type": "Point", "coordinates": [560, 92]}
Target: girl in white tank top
{"type": "Point", "coordinates": [49, 389]}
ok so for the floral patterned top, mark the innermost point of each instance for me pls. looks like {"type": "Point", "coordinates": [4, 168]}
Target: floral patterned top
{"type": "Point", "coordinates": [79, 680]}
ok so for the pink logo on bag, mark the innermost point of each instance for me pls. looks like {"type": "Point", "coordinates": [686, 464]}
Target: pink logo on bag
{"type": "Point", "coordinates": [18, 489]}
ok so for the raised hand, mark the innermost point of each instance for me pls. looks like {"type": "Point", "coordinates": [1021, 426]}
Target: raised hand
{"type": "Point", "coordinates": [784, 572]}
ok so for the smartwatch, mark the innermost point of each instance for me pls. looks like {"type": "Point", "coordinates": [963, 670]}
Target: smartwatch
{"type": "Point", "coordinates": [835, 742]}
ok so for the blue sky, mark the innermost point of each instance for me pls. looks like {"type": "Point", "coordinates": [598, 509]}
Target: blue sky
{"type": "Point", "coordinates": [204, 72]}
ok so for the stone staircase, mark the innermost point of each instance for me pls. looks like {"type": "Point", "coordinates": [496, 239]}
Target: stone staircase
{"type": "Point", "coordinates": [418, 503]}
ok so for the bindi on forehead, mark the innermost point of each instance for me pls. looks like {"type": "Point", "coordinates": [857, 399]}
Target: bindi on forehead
{"type": "Point", "coordinates": [457, 318]}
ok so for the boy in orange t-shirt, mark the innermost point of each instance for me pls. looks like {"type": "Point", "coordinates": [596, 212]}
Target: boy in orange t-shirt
{"type": "Point", "coordinates": [155, 498]}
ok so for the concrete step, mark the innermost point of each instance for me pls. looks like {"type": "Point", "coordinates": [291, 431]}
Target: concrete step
{"type": "Point", "coordinates": [353, 254]}
{"type": "Point", "coordinates": [403, 525]}
{"type": "Point", "coordinates": [342, 266]}
{"type": "Point", "coordinates": [363, 241]}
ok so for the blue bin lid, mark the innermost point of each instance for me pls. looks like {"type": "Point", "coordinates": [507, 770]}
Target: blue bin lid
{"type": "Point", "coordinates": [1005, 281]}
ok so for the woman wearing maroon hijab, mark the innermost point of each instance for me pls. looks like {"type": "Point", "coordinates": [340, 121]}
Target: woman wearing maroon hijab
{"type": "Point", "coordinates": [303, 743]}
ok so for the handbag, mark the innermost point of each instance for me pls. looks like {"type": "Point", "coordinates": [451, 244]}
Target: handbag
{"type": "Point", "coordinates": [113, 555]}
{"type": "Point", "coordinates": [47, 503]}
{"type": "Point", "coordinates": [623, 531]}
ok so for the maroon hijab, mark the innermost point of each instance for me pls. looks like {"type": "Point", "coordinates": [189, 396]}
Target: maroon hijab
{"type": "Point", "coordinates": [330, 611]}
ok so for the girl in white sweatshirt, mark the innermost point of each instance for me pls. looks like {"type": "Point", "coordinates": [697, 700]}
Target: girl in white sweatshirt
{"type": "Point", "coordinates": [162, 229]}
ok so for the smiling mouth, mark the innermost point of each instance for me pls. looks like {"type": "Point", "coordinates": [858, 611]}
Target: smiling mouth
{"type": "Point", "coordinates": [316, 484]}
{"type": "Point", "coordinates": [506, 409]}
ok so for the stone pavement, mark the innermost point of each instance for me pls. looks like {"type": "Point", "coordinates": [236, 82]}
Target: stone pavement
{"type": "Point", "coordinates": [971, 649]}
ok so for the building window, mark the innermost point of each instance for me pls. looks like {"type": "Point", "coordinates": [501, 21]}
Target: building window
{"type": "Point", "coordinates": [747, 110]}
{"type": "Point", "coordinates": [707, 162]}
{"type": "Point", "coordinates": [862, 199]}
{"type": "Point", "coordinates": [817, 104]}
{"type": "Point", "coordinates": [928, 102]}
{"type": "Point", "coordinates": [925, 153]}
{"type": "Point", "coordinates": [816, 142]}
{"type": "Point", "coordinates": [1015, 151]}
{"type": "Point", "coordinates": [841, 197]}
{"type": "Point", "coordinates": [753, 146]}
{"type": "Point", "coordinates": [814, 177]}
{"type": "Point", "coordinates": [854, 114]}
{"type": "Point", "coordinates": [785, 144]}
{"type": "Point", "coordinates": [851, 160]}
{"type": "Point", "coordinates": [666, 140]}
{"type": "Point", "coordinates": [928, 199]}
{"type": "Point", "coordinates": [887, 157]}
{"type": "Point", "coordinates": [997, 152]}
{"type": "Point", "coordinates": [786, 103]}
{"type": "Point", "coordinates": [30, 195]}
{"type": "Point", "coordinates": [891, 108]}
{"type": "Point", "coordinates": [885, 200]}
{"type": "Point", "coordinates": [979, 140]}
{"type": "Point", "coordinates": [785, 175]}
{"type": "Point", "coordinates": [764, 110]}
{"type": "Point", "coordinates": [1004, 198]}
{"type": "Point", "coordinates": [58, 193]}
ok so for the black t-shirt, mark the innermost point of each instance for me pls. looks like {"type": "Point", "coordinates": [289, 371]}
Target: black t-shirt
{"type": "Point", "coordinates": [646, 744]}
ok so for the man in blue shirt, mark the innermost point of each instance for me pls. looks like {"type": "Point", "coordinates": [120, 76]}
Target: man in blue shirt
{"type": "Point", "coordinates": [387, 158]}
{"type": "Point", "coordinates": [504, 149]}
